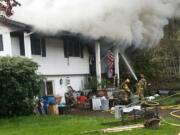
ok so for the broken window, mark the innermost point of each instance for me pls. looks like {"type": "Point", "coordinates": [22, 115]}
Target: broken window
{"type": "Point", "coordinates": [73, 47]}
{"type": "Point", "coordinates": [1, 43]}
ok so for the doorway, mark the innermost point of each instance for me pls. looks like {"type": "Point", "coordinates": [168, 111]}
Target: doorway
{"type": "Point", "coordinates": [49, 88]}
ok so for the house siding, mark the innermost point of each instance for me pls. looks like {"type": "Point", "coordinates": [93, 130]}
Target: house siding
{"type": "Point", "coordinates": [15, 46]}
{"type": "Point", "coordinates": [7, 40]}
{"type": "Point", "coordinates": [55, 67]}
{"type": "Point", "coordinates": [7, 48]}
{"type": "Point", "coordinates": [77, 82]}
{"type": "Point", "coordinates": [56, 64]}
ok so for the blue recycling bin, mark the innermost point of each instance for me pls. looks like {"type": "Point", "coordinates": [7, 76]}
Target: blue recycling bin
{"type": "Point", "coordinates": [51, 100]}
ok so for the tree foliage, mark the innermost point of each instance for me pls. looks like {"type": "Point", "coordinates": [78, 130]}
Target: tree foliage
{"type": "Point", "coordinates": [19, 83]}
{"type": "Point", "coordinates": [141, 61]}
{"type": "Point", "coordinates": [6, 6]}
{"type": "Point", "coordinates": [145, 64]}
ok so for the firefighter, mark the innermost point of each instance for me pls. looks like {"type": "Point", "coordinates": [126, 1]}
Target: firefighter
{"type": "Point", "coordinates": [141, 87]}
{"type": "Point", "coordinates": [125, 90]}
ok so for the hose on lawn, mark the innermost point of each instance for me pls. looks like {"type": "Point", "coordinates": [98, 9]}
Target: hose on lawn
{"type": "Point", "coordinates": [169, 123]}
{"type": "Point", "coordinates": [175, 115]}
{"type": "Point", "coordinates": [168, 97]}
{"type": "Point", "coordinates": [172, 107]}
{"type": "Point", "coordinates": [156, 103]}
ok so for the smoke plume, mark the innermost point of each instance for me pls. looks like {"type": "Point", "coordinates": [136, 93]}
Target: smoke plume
{"type": "Point", "coordinates": [138, 22]}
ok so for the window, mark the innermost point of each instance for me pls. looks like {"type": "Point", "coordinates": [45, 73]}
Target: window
{"type": "Point", "coordinates": [21, 44]}
{"type": "Point", "coordinates": [49, 86]}
{"type": "Point", "coordinates": [1, 43]}
{"type": "Point", "coordinates": [35, 46]}
{"type": "Point", "coordinates": [43, 47]}
{"type": "Point", "coordinates": [20, 36]}
{"type": "Point", "coordinates": [73, 47]}
{"type": "Point", "coordinates": [38, 46]}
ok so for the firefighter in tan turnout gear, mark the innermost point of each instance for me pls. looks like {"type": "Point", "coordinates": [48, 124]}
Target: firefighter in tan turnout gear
{"type": "Point", "coordinates": [141, 87]}
{"type": "Point", "coordinates": [125, 91]}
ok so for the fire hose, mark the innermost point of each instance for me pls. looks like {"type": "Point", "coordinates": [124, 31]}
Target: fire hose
{"type": "Point", "coordinates": [169, 123]}
{"type": "Point", "coordinates": [172, 107]}
{"type": "Point", "coordinates": [156, 103]}
{"type": "Point", "coordinates": [151, 103]}
{"type": "Point", "coordinates": [174, 115]}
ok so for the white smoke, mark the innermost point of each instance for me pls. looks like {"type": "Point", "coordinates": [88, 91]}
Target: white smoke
{"type": "Point", "coordinates": [139, 22]}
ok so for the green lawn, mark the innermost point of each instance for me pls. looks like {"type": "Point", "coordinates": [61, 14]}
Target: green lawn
{"type": "Point", "coordinates": [70, 125]}
{"type": "Point", "coordinates": [164, 100]}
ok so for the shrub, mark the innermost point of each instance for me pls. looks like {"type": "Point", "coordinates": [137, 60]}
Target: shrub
{"type": "Point", "coordinates": [19, 83]}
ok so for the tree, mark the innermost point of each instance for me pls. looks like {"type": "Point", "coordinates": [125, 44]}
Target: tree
{"type": "Point", "coordinates": [142, 61]}
{"type": "Point", "coordinates": [6, 6]}
{"type": "Point", "coordinates": [19, 84]}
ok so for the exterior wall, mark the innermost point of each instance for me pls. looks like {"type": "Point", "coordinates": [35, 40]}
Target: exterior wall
{"type": "Point", "coordinates": [5, 32]}
{"type": "Point", "coordinates": [55, 67]}
{"type": "Point", "coordinates": [56, 64]}
{"type": "Point", "coordinates": [77, 82]}
{"type": "Point", "coordinates": [10, 44]}
{"type": "Point", "coordinates": [15, 46]}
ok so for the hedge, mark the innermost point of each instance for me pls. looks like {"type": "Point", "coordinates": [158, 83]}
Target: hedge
{"type": "Point", "coordinates": [19, 84]}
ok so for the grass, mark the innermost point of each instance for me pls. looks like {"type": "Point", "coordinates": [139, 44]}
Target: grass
{"type": "Point", "coordinates": [70, 125]}
{"type": "Point", "coordinates": [163, 100]}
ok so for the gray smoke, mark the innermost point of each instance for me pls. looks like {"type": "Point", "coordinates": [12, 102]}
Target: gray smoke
{"type": "Point", "coordinates": [138, 22]}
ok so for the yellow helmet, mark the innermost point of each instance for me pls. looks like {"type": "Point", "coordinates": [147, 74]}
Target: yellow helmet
{"type": "Point", "coordinates": [127, 80]}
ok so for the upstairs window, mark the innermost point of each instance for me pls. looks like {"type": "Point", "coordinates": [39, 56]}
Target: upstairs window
{"type": "Point", "coordinates": [20, 36]}
{"type": "Point", "coordinates": [73, 47]}
{"type": "Point", "coordinates": [38, 46]}
{"type": "Point", "coordinates": [1, 43]}
{"type": "Point", "coordinates": [21, 44]}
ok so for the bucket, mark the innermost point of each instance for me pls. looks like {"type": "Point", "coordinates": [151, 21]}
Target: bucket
{"type": "Point", "coordinates": [118, 111]}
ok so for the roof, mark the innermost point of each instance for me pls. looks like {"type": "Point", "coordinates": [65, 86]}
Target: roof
{"type": "Point", "coordinates": [14, 23]}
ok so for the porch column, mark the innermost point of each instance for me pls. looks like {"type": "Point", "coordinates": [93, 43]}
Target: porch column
{"type": "Point", "coordinates": [116, 64]}
{"type": "Point", "coordinates": [27, 45]}
{"type": "Point", "coordinates": [98, 63]}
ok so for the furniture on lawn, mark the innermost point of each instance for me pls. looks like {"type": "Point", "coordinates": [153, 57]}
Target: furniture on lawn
{"type": "Point", "coordinates": [83, 102]}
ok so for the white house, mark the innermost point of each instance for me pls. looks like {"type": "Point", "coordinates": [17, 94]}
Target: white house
{"type": "Point", "coordinates": [63, 59]}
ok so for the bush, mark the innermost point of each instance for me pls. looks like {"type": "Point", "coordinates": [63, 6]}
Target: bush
{"type": "Point", "coordinates": [19, 83]}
